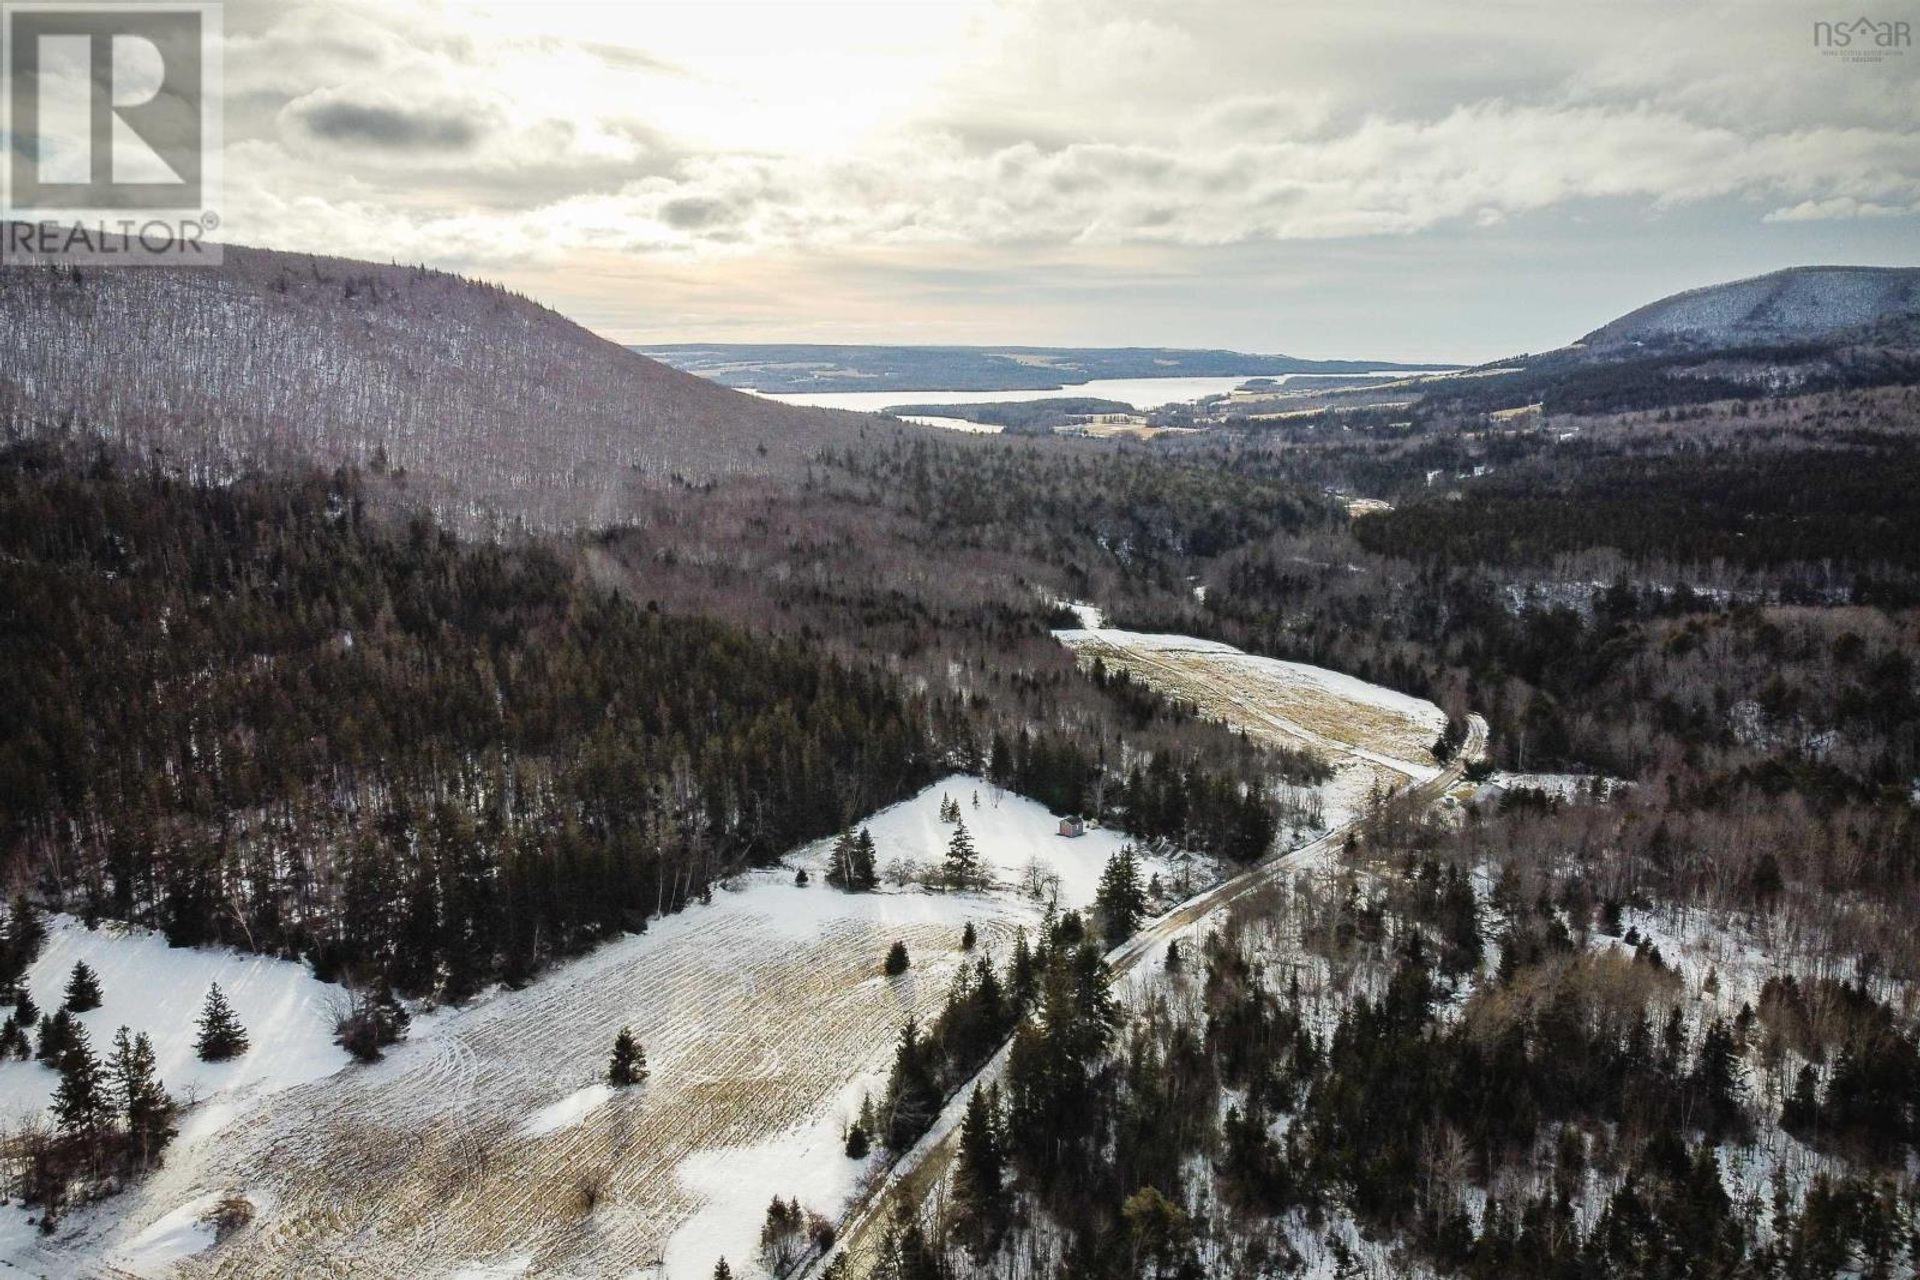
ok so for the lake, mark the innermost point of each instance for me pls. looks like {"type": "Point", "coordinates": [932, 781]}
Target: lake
{"type": "Point", "coordinates": [1141, 393]}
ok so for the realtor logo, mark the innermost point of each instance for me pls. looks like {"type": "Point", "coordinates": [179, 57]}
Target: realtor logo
{"type": "Point", "coordinates": [1863, 39]}
{"type": "Point", "coordinates": [112, 121]}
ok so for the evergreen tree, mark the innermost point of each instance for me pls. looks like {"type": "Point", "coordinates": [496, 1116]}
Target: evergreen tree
{"type": "Point", "coordinates": [968, 937]}
{"type": "Point", "coordinates": [1023, 980]}
{"type": "Point", "coordinates": [850, 866]}
{"type": "Point", "coordinates": [781, 1235]}
{"type": "Point", "coordinates": [57, 1031]}
{"type": "Point", "coordinates": [963, 860]}
{"type": "Point", "coordinates": [143, 1100]}
{"type": "Point", "coordinates": [1716, 1080]}
{"type": "Point", "coordinates": [1121, 901]}
{"type": "Point", "coordinates": [221, 1035]}
{"type": "Point", "coordinates": [83, 989]}
{"type": "Point", "coordinates": [866, 875]}
{"type": "Point", "coordinates": [721, 1271]}
{"type": "Point", "coordinates": [81, 1104]}
{"type": "Point", "coordinates": [26, 932]}
{"type": "Point", "coordinates": [859, 1142]}
{"type": "Point", "coordinates": [628, 1065]}
{"type": "Point", "coordinates": [980, 1173]}
{"type": "Point", "coordinates": [897, 960]}
{"type": "Point", "coordinates": [1802, 1106]}
{"type": "Point", "coordinates": [913, 1093]}
{"type": "Point", "coordinates": [25, 1011]}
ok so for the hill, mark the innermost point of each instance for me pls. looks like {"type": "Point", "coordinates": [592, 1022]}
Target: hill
{"type": "Point", "coordinates": [494, 406]}
{"type": "Point", "coordinates": [1800, 304]}
{"type": "Point", "coordinates": [785, 368]}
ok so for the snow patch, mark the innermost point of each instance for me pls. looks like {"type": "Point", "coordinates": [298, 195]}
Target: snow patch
{"type": "Point", "coordinates": [507, 1268]}
{"type": "Point", "coordinates": [1091, 616]}
{"type": "Point", "coordinates": [568, 1111]}
{"type": "Point", "coordinates": [170, 1238]}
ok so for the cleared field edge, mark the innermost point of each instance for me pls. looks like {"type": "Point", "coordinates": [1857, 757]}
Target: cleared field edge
{"type": "Point", "coordinates": [484, 1143]}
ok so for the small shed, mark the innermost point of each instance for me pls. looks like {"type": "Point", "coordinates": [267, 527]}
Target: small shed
{"type": "Point", "coordinates": [1073, 826]}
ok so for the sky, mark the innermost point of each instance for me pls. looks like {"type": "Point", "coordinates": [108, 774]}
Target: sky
{"type": "Point", "coordinates": [1397, 179]}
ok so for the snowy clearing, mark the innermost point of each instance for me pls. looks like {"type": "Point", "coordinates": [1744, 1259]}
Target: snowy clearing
{"type": "Point", "coordinates": [487, 1145]}
{"type": "Point", "coordinates": [146, 985]}
{"type": "Point", "coordinates": [1375, 738]}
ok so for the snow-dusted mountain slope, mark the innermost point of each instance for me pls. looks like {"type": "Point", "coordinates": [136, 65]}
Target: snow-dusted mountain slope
{"type": "Point", "coordinates": [1798, 304]}
{"type": "Point", "coordinates": [490, 402]}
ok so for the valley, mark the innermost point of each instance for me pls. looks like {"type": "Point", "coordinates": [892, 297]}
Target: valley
{"type": "Point", "coordinates": [1472, 837]}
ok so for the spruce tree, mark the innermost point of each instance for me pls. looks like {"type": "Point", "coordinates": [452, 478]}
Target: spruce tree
{"type": "Point", "coordinates": [1802, 1106]}
{"type": "Point", "coordinates": [897, 960]}
{"type": "Point", "coordinates": [859, 1141]}
{"type": "Point", "coordinates": [980, 1172]}
{"type": "Point", "coordinates": [25, 1011]}
{"type": "Point", "coordinates": [1716, 1080]}
{"type": "Point", "coordinates": [1023, 976]}
{"type": "Point", "coordinates": [83, 989]}
{"type": "Point", "coordinates": [721, 1271]}
{"type": "Point", "coordinates": [81, 1104]}
{"type": "Point", "coordinates": [221, 1035]}
{"type": "Point", "coordinates": [963, 860]}
{"type": "Point", "coordinates": [968, 937]}
{"type": "Point", "coordinates": [57, 1030]}
{"type": "Point", "coordinates": [142, 1099]}
{"type": "Point", "coordinates": [913, 1095]}
{"type": "Point", "coordinates": [866, 876]}
{"type": "Point", "coordinates": [26, 931]}
{"type": "Point", "coordinates": [1121, 901]}
{"type": "Point", "coordinates": [628, 1066]}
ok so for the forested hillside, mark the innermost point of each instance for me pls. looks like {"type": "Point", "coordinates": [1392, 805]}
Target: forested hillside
{"type": "Point", "coordinates": [496, 409]}
{"type": "Point", "coordinates": [429, 761]}
{"type": "Point", "coordinates": [1644, 1007]}
{"type": "Point", "coordinates": [415, 758]}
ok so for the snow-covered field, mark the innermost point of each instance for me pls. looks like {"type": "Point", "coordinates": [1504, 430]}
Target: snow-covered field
{"type": "Point", "coordinates": [486, 1144]}
{"type": "Point", "coordinates": [145, 985]}
{"type": "Point", "coordinates": [1372, 736]}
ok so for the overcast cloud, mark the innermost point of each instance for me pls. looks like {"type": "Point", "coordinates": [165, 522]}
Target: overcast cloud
{"type": "Point", "coordinates": [1400, 179]}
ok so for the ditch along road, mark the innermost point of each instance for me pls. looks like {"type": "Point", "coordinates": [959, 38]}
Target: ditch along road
{"type": "Point", "coordinates": [922, 1169]}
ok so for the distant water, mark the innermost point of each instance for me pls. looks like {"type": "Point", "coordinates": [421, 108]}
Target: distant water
{"type": "Point", "coordinates": [951, 424]}
{"type": "Point", "coordinates": [1141, 393]}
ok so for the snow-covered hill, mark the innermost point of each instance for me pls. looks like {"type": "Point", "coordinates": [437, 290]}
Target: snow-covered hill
{"type": "Point", "coordinates": [490, 402]}
{"type": "Point", "coordinates": [1798, 304]}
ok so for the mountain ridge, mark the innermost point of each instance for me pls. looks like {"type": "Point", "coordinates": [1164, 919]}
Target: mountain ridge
{"type": "Point", "coordinates": [1795, 304]}
{"type": "Point", "coordinates": [496, 408]}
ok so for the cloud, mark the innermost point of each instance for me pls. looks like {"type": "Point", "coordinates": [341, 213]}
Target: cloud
{"type": "Point", "coordinates": [1838, 207]}
{"type": "Point", "coordinates": [388, 127]}
{"type": "Point", "coordinates": [689, 137]}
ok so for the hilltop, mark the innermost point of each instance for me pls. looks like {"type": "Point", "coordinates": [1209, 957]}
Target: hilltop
{"type": "Point", "coordinates": [1799, 304]}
